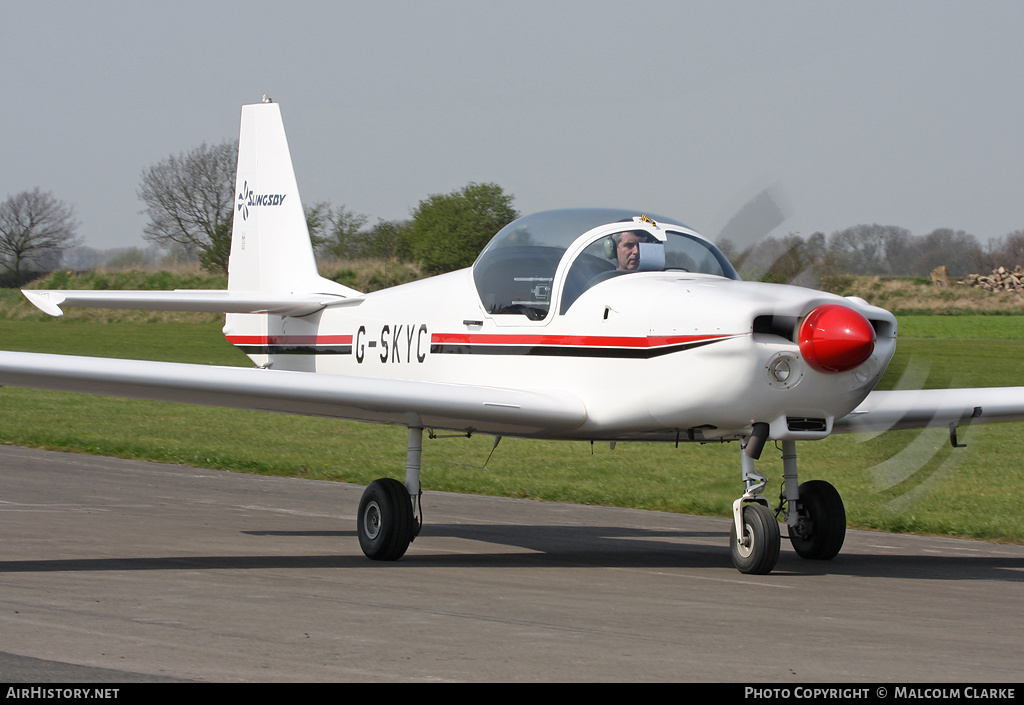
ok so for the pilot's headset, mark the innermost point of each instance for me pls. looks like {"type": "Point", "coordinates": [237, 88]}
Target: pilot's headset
{"type": "Point", "coordinates": [610, 244]}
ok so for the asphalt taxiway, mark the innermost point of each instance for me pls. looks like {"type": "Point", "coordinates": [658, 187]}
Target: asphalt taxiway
{"type": "Point", "coordinates": [115, 570]}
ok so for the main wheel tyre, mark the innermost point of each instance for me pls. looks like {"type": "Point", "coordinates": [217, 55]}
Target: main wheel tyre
{"type": "Point", "coordinates": [821, 525]}
{"type": "Point", "coordinates": [759, 552]}
{"type": "Point", "coordinates": [385, 523]}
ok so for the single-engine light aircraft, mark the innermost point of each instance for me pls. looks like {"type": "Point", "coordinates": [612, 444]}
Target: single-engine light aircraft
{"type": "Point", "coordinates": [525, 343]}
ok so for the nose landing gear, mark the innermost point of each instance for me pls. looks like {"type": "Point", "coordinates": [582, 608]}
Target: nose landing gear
{"type": "Point", "coordinates": [813, 511]}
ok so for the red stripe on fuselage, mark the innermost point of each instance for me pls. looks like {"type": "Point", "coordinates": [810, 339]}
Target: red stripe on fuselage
{"type": "Point", "coordinates": [603, 341]}
{"type": "Point", "coordinates": [290, 339]}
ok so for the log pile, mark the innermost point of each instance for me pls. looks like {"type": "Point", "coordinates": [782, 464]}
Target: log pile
{"type": "Point", "coordinates": [1001, 279]}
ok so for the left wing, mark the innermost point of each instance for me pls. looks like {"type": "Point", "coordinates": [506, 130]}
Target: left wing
{"type": "Point", "coordinates": [495, 410]}
{"type": "Point", "coordinates": [918, 408]}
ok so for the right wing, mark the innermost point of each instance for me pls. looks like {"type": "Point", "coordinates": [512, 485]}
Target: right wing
{"type": "Point", "coordinates": [493, 410]}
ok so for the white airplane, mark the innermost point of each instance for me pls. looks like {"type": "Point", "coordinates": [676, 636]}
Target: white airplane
{"type": "Point", "coordinates": [532, 341]}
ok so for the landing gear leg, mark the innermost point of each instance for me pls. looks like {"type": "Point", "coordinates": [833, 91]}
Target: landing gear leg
{"type": "Point", "coordinates": [389, 517]}
{"type": "Point", "coordinates": [754, 539]}
{"type": "Point", "coordinates": [814, 512]}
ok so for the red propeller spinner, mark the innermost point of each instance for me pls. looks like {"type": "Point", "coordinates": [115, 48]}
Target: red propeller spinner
{"type": "Point", "coordinates": [835, 338]}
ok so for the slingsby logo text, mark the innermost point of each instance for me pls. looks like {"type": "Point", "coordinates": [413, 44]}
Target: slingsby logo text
{"type": "Point", "coordinates": [248, 199]}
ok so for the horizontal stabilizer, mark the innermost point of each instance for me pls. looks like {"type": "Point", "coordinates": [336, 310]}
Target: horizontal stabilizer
{"type": "Point", "coordinates": [212, 301]}
{"type": "Point", "coordinates": [920, 408]}
{"type": "Point", "coordinates": [400, 402]}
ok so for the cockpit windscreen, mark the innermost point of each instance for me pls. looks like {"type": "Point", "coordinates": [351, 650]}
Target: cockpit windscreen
{"type": "Point", "coordinates": [515, 274]}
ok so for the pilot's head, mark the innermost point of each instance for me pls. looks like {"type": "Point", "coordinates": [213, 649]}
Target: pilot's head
{"type": "Point", "coordinates": [627, 250]}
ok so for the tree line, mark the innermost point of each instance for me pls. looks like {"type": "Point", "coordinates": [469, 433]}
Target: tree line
{"type": "Point", "coordinates": [189, 200]}
{"type": "Point", "coordinates": [884, 250]}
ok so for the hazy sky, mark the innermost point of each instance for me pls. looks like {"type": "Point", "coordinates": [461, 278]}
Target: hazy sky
{"type": "Point", "coordinates": [897, 113]}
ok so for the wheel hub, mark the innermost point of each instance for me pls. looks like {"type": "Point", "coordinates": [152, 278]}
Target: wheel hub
{"type": "Point", "coordinates": [372, 520]}
{"type": "Point", "coordinates": [743, 543]}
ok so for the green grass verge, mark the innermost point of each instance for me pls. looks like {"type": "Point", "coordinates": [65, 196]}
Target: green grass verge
{"type": "Point", "coordinates": [901, 481]}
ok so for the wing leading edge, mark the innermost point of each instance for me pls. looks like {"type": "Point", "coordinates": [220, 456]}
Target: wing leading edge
{"type": "Point", "coordinates": [919, 408]}
{"type": "Point", "coordinates": [494, 410]}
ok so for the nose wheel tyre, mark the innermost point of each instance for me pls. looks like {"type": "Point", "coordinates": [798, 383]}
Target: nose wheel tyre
{"type": "Point", "coordinates": [758, 551]}
{"type": "Point", "coordinates": [385, 524]}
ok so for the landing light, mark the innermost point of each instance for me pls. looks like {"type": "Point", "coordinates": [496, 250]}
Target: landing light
{"type": "Point", "coordinates": [781, 370]}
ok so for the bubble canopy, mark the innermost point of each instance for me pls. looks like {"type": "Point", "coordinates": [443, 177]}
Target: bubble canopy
{"type": "Point", "coordinates": [555, 256]}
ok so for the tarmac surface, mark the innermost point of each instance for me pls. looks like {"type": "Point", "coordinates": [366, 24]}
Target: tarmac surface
{"type": "Point", "coordinates": [123, 571]}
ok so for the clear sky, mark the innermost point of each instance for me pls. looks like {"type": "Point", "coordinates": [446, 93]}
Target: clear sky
{"type": "Point", "coordinates": [898, 113]}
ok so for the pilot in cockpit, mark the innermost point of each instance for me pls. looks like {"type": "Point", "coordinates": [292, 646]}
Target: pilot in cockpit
{"type": "Point", "coordinates": [627, 250]}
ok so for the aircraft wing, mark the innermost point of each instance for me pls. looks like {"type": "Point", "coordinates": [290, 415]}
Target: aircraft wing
{"type": "Point", "coordinates": [918, 408]}
{"type": "Point", "coordinates": [496, 410]}
{"type": "Point", "coordinates": [211, 300]}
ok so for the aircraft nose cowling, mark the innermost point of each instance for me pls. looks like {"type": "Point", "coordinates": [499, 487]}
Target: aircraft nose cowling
{"type": "Point", "coordinates": [835, 338]}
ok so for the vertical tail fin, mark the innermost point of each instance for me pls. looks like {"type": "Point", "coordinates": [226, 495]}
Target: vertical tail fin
{"type": "Point", "coordinates": [270, 247]}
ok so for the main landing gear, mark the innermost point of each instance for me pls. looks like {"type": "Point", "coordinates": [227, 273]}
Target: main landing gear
{"type": "Point", "coordinates": [389, 512]}
{"type": "Point", "coordinates": [390, 515]}
{"type": "Point", "coordinates": [813, 512]}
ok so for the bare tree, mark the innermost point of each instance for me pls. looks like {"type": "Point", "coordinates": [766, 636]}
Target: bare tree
{"type": "Point", "coordinates": [957, 250]}
{"type": "Point", "coordinates": [387, 240]}
{"type": "Point", "coordinates": [1006, 251]}
{"type": "Point", "coordinates": [35, 228]}
{"type": "Point", "coordinates": [871, 249]}
{"type": "Point", "coordinates": [336, 232]}
{"type": "Point", "coordinates": [190, 199]}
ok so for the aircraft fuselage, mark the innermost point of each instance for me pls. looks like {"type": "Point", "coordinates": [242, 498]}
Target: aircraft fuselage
{"type": "Point", "coordinates": [655, 355]}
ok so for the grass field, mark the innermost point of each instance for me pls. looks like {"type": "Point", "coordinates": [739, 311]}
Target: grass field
{"type": "Point", "coordinates": [902, 481]}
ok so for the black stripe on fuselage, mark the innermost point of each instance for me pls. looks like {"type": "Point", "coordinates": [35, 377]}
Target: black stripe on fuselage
{"type": "Point", "coordinates": [567, 350]}
{"type": "Point", "coordinates": [296, 349]}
